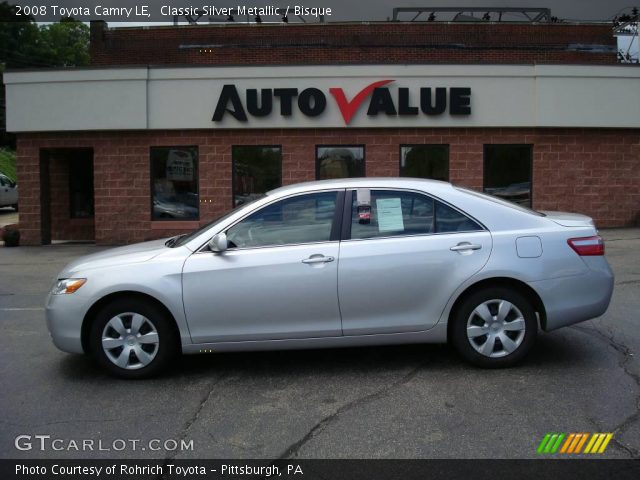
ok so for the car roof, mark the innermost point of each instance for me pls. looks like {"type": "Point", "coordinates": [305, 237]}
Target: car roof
{"type": "Point", "coordinates": [362, 182]}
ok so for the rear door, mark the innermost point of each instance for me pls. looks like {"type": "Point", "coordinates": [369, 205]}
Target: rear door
{"type": "Point", "coordinates": [401, 259]}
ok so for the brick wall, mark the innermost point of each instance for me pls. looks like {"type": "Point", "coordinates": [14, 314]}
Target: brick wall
{"type": "Point", "coordinates": [353, 43]}
{"type": "Point", "coordinates": [591, 171]}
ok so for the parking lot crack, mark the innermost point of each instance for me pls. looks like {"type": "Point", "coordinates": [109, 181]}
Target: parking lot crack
{"type": "Point", "coordinates": [194, 417]}
{"type": "Point", "coordinates": [293, 449]}
{"type": "Point", "coordinates": [626, 357]}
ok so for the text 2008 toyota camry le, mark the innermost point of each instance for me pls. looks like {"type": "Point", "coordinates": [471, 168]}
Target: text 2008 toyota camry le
{"type": "Point", "coordinates": [338, 263]}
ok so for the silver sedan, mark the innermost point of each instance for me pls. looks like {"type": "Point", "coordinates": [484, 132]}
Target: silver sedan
{"type": "Point", "coordinates": [334, 264]}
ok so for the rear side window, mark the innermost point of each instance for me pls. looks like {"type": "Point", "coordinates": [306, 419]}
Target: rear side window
{"type": "Point", "coordinates": [400, 213]}
{"type": "Point", "coordinates": [451, 220]}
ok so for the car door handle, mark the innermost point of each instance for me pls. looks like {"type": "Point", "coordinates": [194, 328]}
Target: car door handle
{"type": "Point", "coordinates": [318, 259]}
{"type": "Point", "coordinates": [465, 246]}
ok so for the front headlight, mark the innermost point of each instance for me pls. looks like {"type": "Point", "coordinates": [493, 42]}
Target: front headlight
{"type": "Point", "coordinates": [68, 285]}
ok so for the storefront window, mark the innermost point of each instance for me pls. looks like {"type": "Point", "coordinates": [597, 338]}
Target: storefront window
{"type": "Point", "coordinates": [256, 170]}
{"type": "Point", "coordinates": [507, 172]}
{"type": "Point", "coordinates": [174, 183]}
{"type": "Point", "coordinates": [339, 161]}
{"type": "Point", "coordinates": [425, 161]}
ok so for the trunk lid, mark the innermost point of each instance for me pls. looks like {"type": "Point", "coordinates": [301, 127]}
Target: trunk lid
{"type": "Point", "coordinates": [567, 219]}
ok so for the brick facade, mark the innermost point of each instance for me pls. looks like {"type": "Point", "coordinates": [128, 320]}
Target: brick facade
{"type": "Point", "coordinates": [354, 43]}
{"type": "Point", "coordinates": [592, 171]}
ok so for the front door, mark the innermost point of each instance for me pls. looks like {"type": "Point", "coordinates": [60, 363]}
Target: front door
{"type": "Point", "coordinates": [277, 280]}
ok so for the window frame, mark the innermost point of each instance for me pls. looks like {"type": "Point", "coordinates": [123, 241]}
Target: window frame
{"type": "Point", "coordinates": [404, 145]}
{"type": "Point", "coordinates": [336, 223]}
{"type": "Point", "coordinates": [151, 184]}
{"type": "Point", "coordinates": [347, 210]}
{"type": "Point", "coordinates": [233, 167]}
{"type": "Point", "coordinates": [346, 145]}
{"type": "Point", "coordinates": [484, 166]}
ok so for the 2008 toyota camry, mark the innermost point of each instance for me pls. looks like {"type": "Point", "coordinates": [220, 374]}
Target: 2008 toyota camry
{"type": "Point", "coordinates": [338, 263]}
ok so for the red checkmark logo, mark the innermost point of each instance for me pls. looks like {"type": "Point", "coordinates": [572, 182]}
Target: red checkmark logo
{"type": "Point", "coordinates": [349, 108]}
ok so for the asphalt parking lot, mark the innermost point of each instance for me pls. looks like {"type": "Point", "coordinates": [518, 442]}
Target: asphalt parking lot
{"type": "Point", "coordinates": [394, 402]}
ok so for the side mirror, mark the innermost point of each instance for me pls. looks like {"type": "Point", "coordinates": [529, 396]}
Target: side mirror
{"type": "Point", "coordinates": [218, 243]}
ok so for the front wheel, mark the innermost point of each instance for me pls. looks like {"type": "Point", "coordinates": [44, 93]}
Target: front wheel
{"type": "Point", "coordinates": [494, 328]}
{"type": "Point", "coordinates": [132, 338]}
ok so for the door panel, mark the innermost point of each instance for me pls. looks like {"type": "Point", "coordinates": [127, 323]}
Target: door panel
{"type": "Point", "coordinates": [278, 279]}
{"type": "Point", "coordinates": [262, 293]}
{"type": "Point", "coordinates": [402, 284]}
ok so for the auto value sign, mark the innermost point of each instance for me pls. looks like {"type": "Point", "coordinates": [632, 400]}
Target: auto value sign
{"type": "Point", "coordinates": [379, 98]}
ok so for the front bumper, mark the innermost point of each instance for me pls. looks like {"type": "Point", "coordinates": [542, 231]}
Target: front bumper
{"type": "Point", "coordinates": [574, 299]}
{"type": "Point", "coordinates": [64, 314]}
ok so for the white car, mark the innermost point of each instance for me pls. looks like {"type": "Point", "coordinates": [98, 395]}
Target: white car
{"type": "Point", "coordinates": [366, 261]}
{"type": "Point", "coordinates": [8, 192]}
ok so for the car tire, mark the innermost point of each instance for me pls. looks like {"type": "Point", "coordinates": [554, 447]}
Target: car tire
{"type": "Point", "coordinates": [494, 327]}
{"type": "Point", "coordinates": [15, 207]}
{"type": "Point", "coordinates": [133, 338]}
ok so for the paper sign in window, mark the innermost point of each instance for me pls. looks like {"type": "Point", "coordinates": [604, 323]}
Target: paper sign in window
{"type": "Point", "coordinates": [389, 215]}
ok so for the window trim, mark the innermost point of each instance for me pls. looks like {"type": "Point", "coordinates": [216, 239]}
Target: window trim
{"type": "Point", "coordinates": [233, 167]}
{"type": "Point", "coordinates": [346, 229]}
{"type": "Point", "coordinates": [346, 145]}
{"type": "Point", "coordinates": [151, 189]}
{"type": "Point", "coordinates": [484, 165]}
{"type": "Point", "coordinates": [403, 145]}
{"type": "Point", "coordinates": [336, 223]}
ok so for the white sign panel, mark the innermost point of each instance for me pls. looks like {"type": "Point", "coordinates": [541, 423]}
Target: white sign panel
{"type": "Point", "coordinates": [360, 96]}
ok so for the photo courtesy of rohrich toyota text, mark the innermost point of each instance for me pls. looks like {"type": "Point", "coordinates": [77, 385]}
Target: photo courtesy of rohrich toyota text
{"type": "Point", "coordinates": [363, 240]}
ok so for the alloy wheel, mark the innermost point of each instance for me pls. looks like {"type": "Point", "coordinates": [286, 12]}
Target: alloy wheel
{"type": "Point", "coordinates": [496, 328]}
{"type": "Point", "coordinates": [130, 340]}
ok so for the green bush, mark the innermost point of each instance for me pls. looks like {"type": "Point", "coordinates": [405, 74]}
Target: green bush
{"type": "Point", "coordinates": [8, 163]}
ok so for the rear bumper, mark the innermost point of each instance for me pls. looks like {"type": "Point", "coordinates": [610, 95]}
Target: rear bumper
{"type": "Point", "coordinates": [574, 299]}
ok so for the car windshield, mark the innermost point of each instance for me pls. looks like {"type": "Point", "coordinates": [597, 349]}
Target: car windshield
{"type": "Point", "coordinates": [184, 238]}
{"type": "Point", "coordinates": [501, 201]}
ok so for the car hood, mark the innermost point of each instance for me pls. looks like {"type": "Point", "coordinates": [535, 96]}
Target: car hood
{"type": "Point", "coordinates": [136, 253]}
{"type": "Point", "coordinates": [567, 219]}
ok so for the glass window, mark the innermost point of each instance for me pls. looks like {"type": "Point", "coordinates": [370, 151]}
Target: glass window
{"type": "Point", "coordinates": [339, 161]}
{"type": "Point", "coordinates": [405, 213]}
{"type": "Point", "coordinates": [425, 161]}
{"type": "Point", "coordinates": [392, 213]}
{"type": "Point", "coordinates": [81, 186]}
{"type": "Point", "coordinates": [174, 183]}
{"type": "Point", "coordinates": [301, 219]}
{"type": "Point", "coordinates": [256, 170]}
{"type": "Point", "coordinates": [451, 220]}
{"type": "Point", "coordinates": [507, 172]}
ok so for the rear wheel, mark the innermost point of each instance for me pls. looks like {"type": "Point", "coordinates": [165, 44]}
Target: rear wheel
{"type": "Point", "coordinates": [494, 327]}
{"type": "Point", "coordinates": [15, 207]}
{"type": "Point", "coordinates": [132, 338]}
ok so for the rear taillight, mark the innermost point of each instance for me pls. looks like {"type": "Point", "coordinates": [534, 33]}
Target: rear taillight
{"type": "Point", "coordinates": [587, 246]}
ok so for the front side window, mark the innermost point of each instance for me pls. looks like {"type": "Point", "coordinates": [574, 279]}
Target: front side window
{"type": "Point", "coordinates": [507, 172]}
{"type": "Point", "coordinates": [425, 161]}
{"type": "Point", "coordinates": [300, 219]}
{"type": "Point", "coordinates": [174, 183]}
{"type": "Point", "coordinates": [339, 161]}
{"type": "Point", "coordinates": [256, 170]}
{"type": "Point", "coordinates": [401, 213]}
